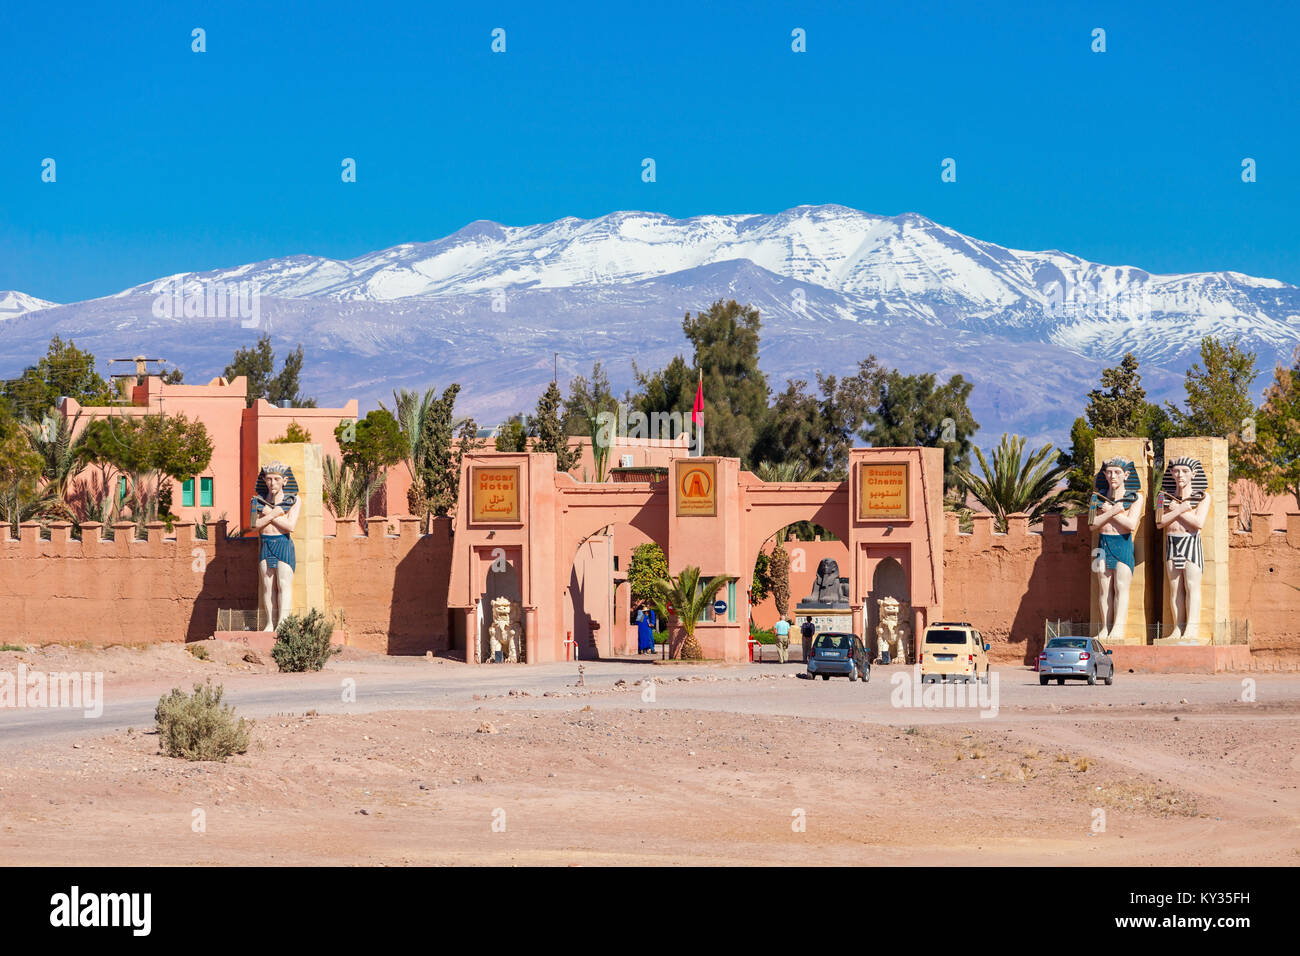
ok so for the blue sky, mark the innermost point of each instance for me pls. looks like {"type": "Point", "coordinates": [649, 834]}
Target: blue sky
{"type": "Point", "coordinates": [169, 160]}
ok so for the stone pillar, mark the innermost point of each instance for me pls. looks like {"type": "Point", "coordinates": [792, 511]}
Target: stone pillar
{"type": "Point", "coordinates": [1144, 590]}
{"type": "Point", "coordinates": [1215, 612]}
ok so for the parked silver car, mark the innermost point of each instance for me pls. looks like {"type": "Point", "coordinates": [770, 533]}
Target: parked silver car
{"type": "Point", "coordinates": [1075, 658]}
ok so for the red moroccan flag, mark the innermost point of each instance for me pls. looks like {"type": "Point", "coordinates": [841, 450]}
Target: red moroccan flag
{"type": "Point", "coordinates": [697, 412]}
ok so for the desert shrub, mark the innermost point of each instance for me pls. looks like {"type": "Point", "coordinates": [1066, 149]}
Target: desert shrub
{"type": "Point", "coordinates": [198, 650]}
{"type": "Point", "coordinates": [12, 647]}
{"type": "Point", "coordinates": [199, 726]}
{"type": "Point", "coordinates": [302, 642]}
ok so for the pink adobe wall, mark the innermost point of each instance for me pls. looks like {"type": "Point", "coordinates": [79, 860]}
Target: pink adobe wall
{"type": "Point", "coordinates": [1007, 585]}
{"type": "Point", "coordinates": [1264, 583]}
{"type": "Point", "coordinates": [163, 588]}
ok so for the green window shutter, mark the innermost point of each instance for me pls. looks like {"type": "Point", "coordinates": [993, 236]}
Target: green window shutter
{"type": "Point", "coordinates": [205, 492]}
{"type": "Point", "coordinates": [731, 602]}
{"type": "Point", "coordinates": [187, 493]}
{"type": "Point", "coordinates": [121, 487]}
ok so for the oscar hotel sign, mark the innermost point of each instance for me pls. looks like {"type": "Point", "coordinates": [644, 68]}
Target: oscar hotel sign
{"type": "Point", "coordinates": [883, 489]}
{"type": "Point", "coordinates": [494, 494]}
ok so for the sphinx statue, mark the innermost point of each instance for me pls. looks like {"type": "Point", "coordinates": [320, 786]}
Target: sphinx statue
{"type": "Point", "coordinates": [829, 589]}
{"type": "Point", "coordinates": [894, 629]}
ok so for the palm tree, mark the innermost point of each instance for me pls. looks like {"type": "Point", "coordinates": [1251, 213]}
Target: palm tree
{"type": "Point", "coordinates": [1016, 484]}
{"type": "Point", "coordinates": [689, 597]}
{"type": "Point", "coordinates": [412, 410]}
{"type": "Point", "coordinates": [796, 470]}
{"type": "Point", "coordinates": [345, 490]}
{"type": "Point", "coordinates": [51, 438]}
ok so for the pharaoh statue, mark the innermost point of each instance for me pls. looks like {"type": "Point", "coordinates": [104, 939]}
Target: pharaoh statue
{"type": "Point", "coordinates": [894, 629]}
{"type": "Point", "coordinates": [1114, 514]}
{"type": "Point", "coordinates": [505, 630]}
{"type": "Point", "coordinates": [1182, 509]}
{"type": "Point", "coordinates": [274, 512]}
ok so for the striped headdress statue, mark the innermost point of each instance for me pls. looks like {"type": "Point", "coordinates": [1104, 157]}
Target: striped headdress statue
{"type": "Point", "coordinates": [1169, 488]}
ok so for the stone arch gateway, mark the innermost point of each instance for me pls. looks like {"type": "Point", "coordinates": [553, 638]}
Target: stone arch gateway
{"type": "Point", "coordinates": [515, 511]}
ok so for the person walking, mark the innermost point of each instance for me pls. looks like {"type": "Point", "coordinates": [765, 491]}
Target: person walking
{"type": "Point", "coordinates": [782, 631]}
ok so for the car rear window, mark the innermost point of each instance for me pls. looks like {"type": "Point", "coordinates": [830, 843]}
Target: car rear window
{"type": "Point", "coordinates": [1076, 643]}
{"type": "Point", "coordinates": [945, 637]}
{"type": "Point", "coordinates": [832, 640]}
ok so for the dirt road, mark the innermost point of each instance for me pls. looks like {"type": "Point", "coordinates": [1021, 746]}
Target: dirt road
{"type": "Point", "coordinates": [731, 765]}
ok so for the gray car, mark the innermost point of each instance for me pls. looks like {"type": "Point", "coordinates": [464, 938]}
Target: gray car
{"type": "Point", "coordinates": [836, 654]}
{"type": "Point", "coordinates": [1075, 658]}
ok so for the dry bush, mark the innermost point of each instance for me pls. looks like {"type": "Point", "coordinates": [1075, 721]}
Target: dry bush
{"type": "Point", "coordinates": [199, 726]}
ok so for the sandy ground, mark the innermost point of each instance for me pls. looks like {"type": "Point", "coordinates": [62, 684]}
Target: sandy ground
{"type": "Point", "coordinates": [741, 765]}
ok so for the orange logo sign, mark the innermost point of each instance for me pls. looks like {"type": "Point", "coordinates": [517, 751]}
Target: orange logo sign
{"type": "Point", "coordinates": [697, 488]}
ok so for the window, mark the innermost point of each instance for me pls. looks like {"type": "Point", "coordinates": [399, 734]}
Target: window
{"type": "Point", "coordinates": [731, 602]}
{"type": "Point", "coordinates": [187, 493]}
{"type": "Point", "coordinates": [121, 487]}
{"type": "Point", "coordinates": [205, 492]}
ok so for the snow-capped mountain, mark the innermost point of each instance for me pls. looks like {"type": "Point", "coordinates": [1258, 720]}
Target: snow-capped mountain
{"type": "Point", "coordinates": [13, 304]}
{"type": "Point", "coordinates": [489, 304]}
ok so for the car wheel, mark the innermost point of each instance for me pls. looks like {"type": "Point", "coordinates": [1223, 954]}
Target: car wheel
{"type": "Point", "coordinates": [985, 678]}
{"type": "Point", "coordinates": [867, 675]}
{"type": "Point", "coordinates": [1042, 681]}
{"type": "Point", "coordinates": [1092, 679]}
{"type": "Point", "coordinates": [1060, 681]}
{"type": "Point", "coordinates": [826, 677]}
{"type": "Point", "coordinates": [1110, 678]}
{"type": "Point", "coordinates": [853, 675]}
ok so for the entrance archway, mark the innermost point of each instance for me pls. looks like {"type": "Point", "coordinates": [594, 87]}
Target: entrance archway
{"type": "Point", "coordinates": [597, 593]}
{"type": "Point", "coordinates": [889, 580]}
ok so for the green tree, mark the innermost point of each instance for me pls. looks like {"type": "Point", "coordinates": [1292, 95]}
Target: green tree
{"type": "Point", "coordinates": [671, 389]}
{"type": "Point", "coordinates": [65, 370]}
{"type": "Point", "coordinates": [21, 496]}
{"type": "Point", "coordinates": [1081, 471]}
{"type": "Point", "coordinates": [1119, 408]}
{"type": "Point", "coordinates": [1017, 483]}
{"type": "Point", "coordinates": [689, 598]}
{"type": "Point", "coordinates": [513, 434]}
{"type": "Point", "coordinates": [295, 434]}
{"type": "Point", "coordinates": [51, 438]}
{"type": "Point", "coordinates": [545, 424]}
{"type": "Point", "coordinates": [258, 364]}
{"type": "Point", "coordinates": [149, 450]}
{"type": "Point", "coordinates": [761, 586]}
{"type": "Point", "coordinates": [647, 566]}
{"type": "Point", "coordinates": [1218, 396]}
{"type": "Point", "coordinates": [344, 488]}
{"type": "Point", "coordinates": [587, 399]}
{"type": "Point", "coordinates": [370, 446]}
{"type": "Point", "coordinates": [436, 442]}
{"type": "Point", "coordinates": [779, 569]}
{"type": "Point", "coordinates": [914, 411]}
{"type": "Point", "coordinates": [725, 339]}
{"type": "Point", "coordinates": [1272, 459]}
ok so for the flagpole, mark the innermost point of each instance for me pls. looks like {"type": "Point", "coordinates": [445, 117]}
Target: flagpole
{"type": "Point", "coordinates": [699, 428]}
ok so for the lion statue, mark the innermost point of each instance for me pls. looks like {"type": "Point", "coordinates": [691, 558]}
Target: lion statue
{"type": "Point", "coordinates": [893, 631]}
{"type": "Point", "coordinates": [504, 632]}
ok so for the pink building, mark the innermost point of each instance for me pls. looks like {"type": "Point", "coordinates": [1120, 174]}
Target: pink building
{"type": "Point", "coordinates": [226, 485]}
